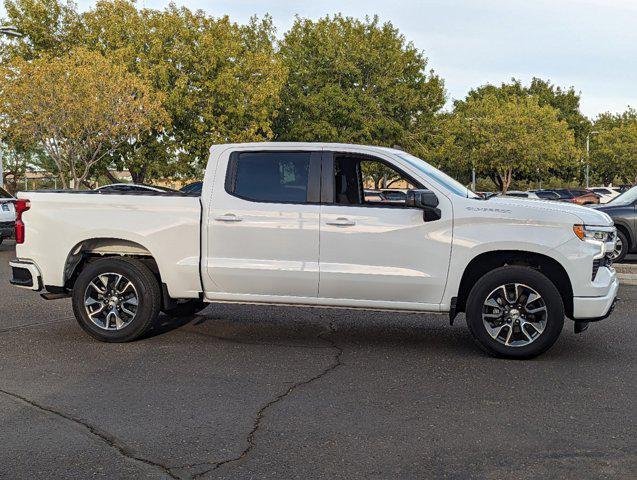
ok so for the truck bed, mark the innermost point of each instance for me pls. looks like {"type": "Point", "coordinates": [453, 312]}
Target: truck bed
{"type": "Point", "coordinates": [164, 225]}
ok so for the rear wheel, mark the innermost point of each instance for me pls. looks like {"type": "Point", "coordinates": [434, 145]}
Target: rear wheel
{"type": "Point", "coordinates": [116, 299]}
{"type": "Point", "coordinates": [515, 312]}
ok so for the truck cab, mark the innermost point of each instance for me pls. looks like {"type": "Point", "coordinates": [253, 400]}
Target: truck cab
{"type": "Point", "coordinates": [295, 224]}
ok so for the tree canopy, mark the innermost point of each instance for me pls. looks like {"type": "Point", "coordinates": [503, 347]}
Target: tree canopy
{"type": "Point", "coordinates": [505, 136]}
{"type": "Point", "coordinates": [354, 81]}
{"type": "Point", "coordinates": [208, 80]}
{"type": "Point", "coordinates": [77, 108]}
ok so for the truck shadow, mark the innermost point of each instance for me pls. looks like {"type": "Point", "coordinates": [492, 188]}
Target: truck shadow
{"type": "Point", "coordinates": [312, 328]}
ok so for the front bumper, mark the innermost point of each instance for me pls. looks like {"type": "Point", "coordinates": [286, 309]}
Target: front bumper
{"type": "Point", "coordinates": [596, 308]}
{"type": "Point", "coordinates": [25, 274]}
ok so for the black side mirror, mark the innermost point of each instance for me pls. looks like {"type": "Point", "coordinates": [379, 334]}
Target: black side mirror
{"type": "Point", "coordinates": [425, 200]}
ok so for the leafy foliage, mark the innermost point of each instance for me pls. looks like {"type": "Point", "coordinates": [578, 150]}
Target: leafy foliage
{"type": "Point", "coordinates": [78, 109]}
{"type": "Point", "coordinates": [614, 148]}
{"type": "Point", "coordinates": [354, 81]}
{"type": "Point", "coordinates": [505, 136]}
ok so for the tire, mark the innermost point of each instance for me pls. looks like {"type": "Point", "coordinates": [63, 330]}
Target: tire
{"type": "Point", "coordinates": [186, 309]}
{"type": "Point", "coordinates": [121, 327]}
{"type": "Point", "coordinates": [619, 256]}
{"type": "Point", "coordinates": [542, 328]}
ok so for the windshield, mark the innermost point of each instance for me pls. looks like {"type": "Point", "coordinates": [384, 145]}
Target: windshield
{"type": "Point", "coordinates": [438, 176]}
{"type": "Point", "coordinates": [626, 198]}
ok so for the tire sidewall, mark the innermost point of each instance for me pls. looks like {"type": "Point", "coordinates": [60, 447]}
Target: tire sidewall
{"type": "Point", "coordinates": [624, 251]}
{"type": "Point", "coordinates": [514, 274]}
{"type": "Point", "coordinates": [147, 291]}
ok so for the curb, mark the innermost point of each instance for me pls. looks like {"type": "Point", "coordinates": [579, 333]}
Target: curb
{"type": "Point", "coordinates": [627, 278]}
{"type": "Point", "coordinates": [626, 273]}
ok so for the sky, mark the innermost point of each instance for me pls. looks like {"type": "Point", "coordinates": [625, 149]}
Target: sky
{"type": "Point", "coordinates": [588, 44]}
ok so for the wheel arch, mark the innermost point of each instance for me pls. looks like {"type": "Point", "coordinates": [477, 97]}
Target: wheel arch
{"type": "Point", "coordinates": [626, 230]}
{"type": "Point", "coordinates": [87, 250]}
{"type": "Point", "coordinates": [487, 261]}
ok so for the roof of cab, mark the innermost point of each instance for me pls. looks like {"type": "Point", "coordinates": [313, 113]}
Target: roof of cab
{"type": "Point", "coordinates": [323, 145]}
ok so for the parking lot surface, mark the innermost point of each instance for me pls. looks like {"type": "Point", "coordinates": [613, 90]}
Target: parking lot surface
{"type": "Point", "coordinates": [268, 392]}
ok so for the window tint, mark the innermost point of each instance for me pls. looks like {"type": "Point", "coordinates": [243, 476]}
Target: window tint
{"type": "Point", "coordinates": [4, 193]}
{"type": "Point", "coordinates": [270, 176]}
{"type": "Point", "coordinates": [364, 181]}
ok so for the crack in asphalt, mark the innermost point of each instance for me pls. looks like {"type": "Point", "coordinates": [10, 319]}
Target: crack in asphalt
{"type": "Point", "coordinates": [32, 325]}
{"type": "Point", "coordinates": [250, 439]}
{"type": "Point", "coordinates": [106, 438]}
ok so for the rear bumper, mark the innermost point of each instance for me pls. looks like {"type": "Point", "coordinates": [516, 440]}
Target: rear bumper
{"type": "Point", "coordinates": [25, 274]}
{"type": "Point", "coordinates": [595, 308]}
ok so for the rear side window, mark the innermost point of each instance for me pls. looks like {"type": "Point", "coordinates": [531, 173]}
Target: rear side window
{"type": "Point", "coordinates": [278, 177]}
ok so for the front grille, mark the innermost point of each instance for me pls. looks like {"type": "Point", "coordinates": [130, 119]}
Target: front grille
{"type": "Point", "coordinates": [606, 261]}
{"type": "Point", "coordinates": [596, 264]}
{"type": "Point", "coordinates": [7, 224]}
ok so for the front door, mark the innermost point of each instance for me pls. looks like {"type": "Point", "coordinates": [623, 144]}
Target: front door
{"type": "Point", "coordinates": [263, 227]}
{"type": "Point", "coordinates": [375, 250]}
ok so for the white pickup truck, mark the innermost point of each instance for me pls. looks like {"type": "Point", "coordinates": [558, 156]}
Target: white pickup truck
{"type": "Point", "coordinates": [292, 224]}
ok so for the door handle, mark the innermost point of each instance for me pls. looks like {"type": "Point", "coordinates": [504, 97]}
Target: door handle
{"type": "Point", "coordinates": [228, 217]}
{"type": "Point", "coordinates": [341, 222]}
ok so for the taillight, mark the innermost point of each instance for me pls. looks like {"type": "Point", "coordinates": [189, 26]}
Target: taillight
{"type": "Point", "coordinates": [21, 206]}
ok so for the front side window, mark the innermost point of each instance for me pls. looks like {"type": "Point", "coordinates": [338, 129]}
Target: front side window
{"type": "Point", "coordinates": [279, 177]}
{"type": "Point", "coordinates": [4, 193]}
{"type": "Point", "coordinates": [366, 181]}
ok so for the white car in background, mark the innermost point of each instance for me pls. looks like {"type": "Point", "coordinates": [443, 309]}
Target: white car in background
{"type": "Point", "coordinates": [606, 194]}
{"type": "Point", "coordinates": [7, 215]}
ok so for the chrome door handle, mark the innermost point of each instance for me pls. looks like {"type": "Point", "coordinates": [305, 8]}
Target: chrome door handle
{"type": "Point", "coordinates": [341, 222]}
{"type": "Point", "coordinates": [228, 217]}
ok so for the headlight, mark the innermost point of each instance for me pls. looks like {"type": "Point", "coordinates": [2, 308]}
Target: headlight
{"type": "Point", "coordinates": [599, 234]}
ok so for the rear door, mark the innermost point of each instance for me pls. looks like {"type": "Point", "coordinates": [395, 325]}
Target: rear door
{"type": "Point", "coordinates": [378, 252]}
{"type": "Point", "coordinates": [263, 226]}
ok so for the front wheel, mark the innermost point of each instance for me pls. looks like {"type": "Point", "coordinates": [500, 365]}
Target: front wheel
{"type": "Point", "coordinates": [515, 312]}
{"type": "Point", "coordinates": [116, 299]}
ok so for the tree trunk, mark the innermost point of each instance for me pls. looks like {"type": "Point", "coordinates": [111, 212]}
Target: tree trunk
{"type": "Point", "coordinates": [138, 176]}
{"type": "Point", "coordinates": [112, 178]}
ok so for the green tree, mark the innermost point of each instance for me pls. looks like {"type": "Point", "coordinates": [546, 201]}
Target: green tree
{"type": "Point", "coordinates": [46, 25]}
{"type": "Point", "coordinates": [354, 81]}
{"type": "Point", "coordinates": [614, 148]}
{"type": "Point", "coordinates": [78, 109]}
{"type": "Point", "coordinates": [220, 80]}
{"type": "Point", "coordinates": [508, 136]}
{"type": "Point", "coordinates": [565, 100]}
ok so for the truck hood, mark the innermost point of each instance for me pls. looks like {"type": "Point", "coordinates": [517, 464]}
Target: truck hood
{"type": "Point", "coordinates": [586, 215]}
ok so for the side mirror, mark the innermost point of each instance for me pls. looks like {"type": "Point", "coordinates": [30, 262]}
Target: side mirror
{"type": "Point", "coordinates": [425, 200]}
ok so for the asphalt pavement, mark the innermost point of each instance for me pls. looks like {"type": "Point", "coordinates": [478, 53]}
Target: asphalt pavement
{"type": "Point", "coordinates": [243, 392]}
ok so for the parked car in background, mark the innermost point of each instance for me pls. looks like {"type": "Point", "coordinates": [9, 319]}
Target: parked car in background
{"type": "Point", "coordinates": [398, 196]}
{"type": "Point", "coordinates": [606, 194]}
{"type": "Point", "coordinates": [290, 223]}
{"type": "Point", "coordinates": [546, 194]}
{"type": "Point", "coordinates": [7, 215]}
{"type": "Point", "coordinates": [580, 197]}
{"type": "Point", "coordinates": [193, 189]}
{"type": "Point", "coordinates": [520, 194]}
{"type": "Point", "coordinates": [374, 196]}
{"type": "Point", "coordinates": [622, 209]}
{"type": "Point", "coordinates": [131, 188]}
